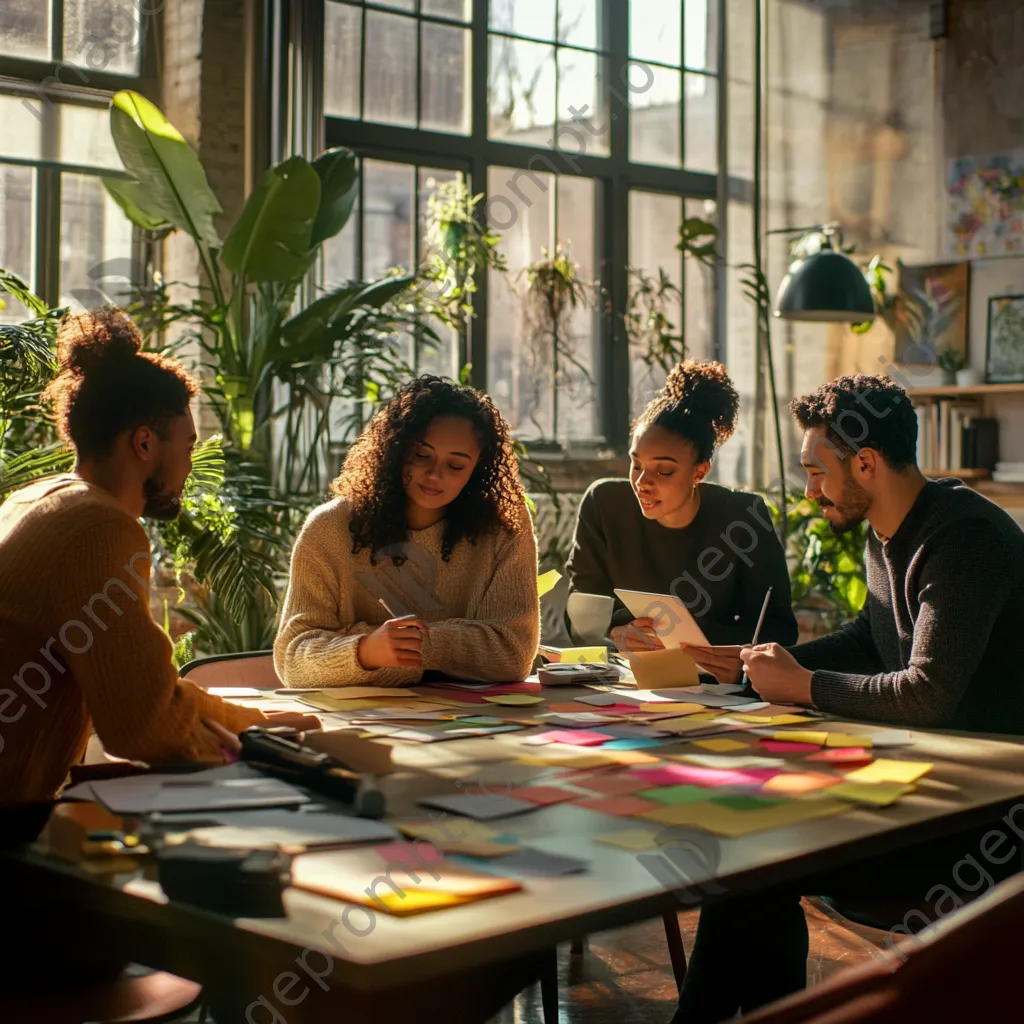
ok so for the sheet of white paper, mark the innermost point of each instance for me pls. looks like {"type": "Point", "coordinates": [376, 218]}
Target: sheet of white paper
{"type": "Point", "coordinates": [886, 737]}
{"type": "Point", "coordinates": [722, 687]}
{"type": "Point", "coordinates": [194, 791]}
{"type": "Point", "coordinates": [601, 700]}
{"type": "Point", "coordinates": [287, 828]}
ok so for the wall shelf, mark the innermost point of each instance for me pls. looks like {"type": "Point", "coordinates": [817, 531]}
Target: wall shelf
{"type": "Point", "coordinates": [953, 391]}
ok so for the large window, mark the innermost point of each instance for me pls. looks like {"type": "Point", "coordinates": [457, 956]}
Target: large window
{"type": "Point", "coordinates": [591, 129]}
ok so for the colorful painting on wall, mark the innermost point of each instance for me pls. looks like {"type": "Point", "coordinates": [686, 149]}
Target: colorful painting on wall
{"type": "Point", "coordinates": [985, 205]}
{"type": "Point", "coordinates": [931, 313]}
{"type": "Point", "coordinates": [1004, 362]}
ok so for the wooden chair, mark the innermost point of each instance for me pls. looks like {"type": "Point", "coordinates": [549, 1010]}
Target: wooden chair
{"type": "Point", "coordinates": [963, 968]}
{"type": "Point", "coordinates": [249, 668]}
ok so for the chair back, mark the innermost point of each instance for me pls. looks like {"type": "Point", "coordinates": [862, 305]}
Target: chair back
{"type": "Point", "coordinates": [251, 668]}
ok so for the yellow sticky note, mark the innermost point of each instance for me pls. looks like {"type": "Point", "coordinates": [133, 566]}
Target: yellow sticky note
{"type": "Point", "coordinates": [878, 794]}
{"type": "Point", "coordinates": [706, 715]}
{"type": "Point", "coordinates": [756, 719]}
{"type": "Point", "coordinates": [636, 840]}
{"type": "Point", "coordinates": [676, 707]}
{"type": "Point", "coordinates": [326, 702]}
{"type": "Point", "coordinates": [799, 736]}
{"type": "Point", "coordinates": [686, 724]}
{"type": "Point", "coordinates": [845, 739]}
{"type": "Point", "coordinates": [720, 744]}
{"type": "Point", "coordinates": [789, 719]}
{"type": "Point", "coordinates": [512, 699]}
{"type": "Point", "coordinates": [630, 757]}
{"type": "Point", "coordinates": [547, 580]}
{"type": "Point", "coordinates": [453, 830]}
{"type": "Point", "coordinates": [667, 667]}
{"type": "Point", "coordinates": [884, 770]}
{"type": "Point", "coordinates": [589, 655]}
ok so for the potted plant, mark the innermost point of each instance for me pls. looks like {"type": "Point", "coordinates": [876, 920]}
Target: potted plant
{"type": "Point", "coordinates": [952, 363]}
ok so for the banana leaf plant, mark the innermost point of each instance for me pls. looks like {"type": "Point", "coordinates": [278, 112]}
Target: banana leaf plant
{"type": "Point", "coordinates": [242, 315]}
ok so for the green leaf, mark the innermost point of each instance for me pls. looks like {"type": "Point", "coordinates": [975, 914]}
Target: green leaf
{"type": "Point", "coordinates": [172, 182]}
{"type": "Point", "coordinates": [339, 187]}
{"type": "Point", "coordinates": [271, 239]}
{"type": "Point", "coordinates": [856, 593]}
{"type": "Point", "coordinates": [130, 197]}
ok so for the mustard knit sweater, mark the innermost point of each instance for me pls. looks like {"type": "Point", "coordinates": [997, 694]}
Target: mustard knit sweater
{"type": "Point", "coordinates": [481, 606]}
{"type": "Point", "coordinates": [79, 648]}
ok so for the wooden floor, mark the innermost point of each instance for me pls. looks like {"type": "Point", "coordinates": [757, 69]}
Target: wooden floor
{"type": "Point", "coordinates": [625, 976]}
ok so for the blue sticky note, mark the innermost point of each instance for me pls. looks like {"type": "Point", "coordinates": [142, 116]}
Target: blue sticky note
{"type": "Point", "coordinates": [634, 744]}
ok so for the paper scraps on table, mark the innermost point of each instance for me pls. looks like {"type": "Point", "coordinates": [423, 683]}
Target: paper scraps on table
{"type": "Point", "coordinates": [796, 783]}
{"type": "Point", "coordinates": [726, 761]}
{"type": "Point", "coordinates": [678, 707]}
{"type": "Point", "coordinates": [286, 830]}
{"type": "Point", "coordinates": [724, 821]}
{"type": "Point", "coordinates": [624, 806]}
{"type": "Point", "coordinates": [890, 737]}
{"type": "Point", "coordinates": [779, 747]}
{"type": "Point", "coordinates": [513, 699]}
{"type": "Point", "coordinates": [448, 830]}
{"type": "Point", "coordinates": [634, 743]}
{"type": "Point", "coordinates": [720, 744]}
{"type": "Point", "coordinates": [681, 794]}
{"type": "Point", "coordinates": [353, 876]}
{"type": "Point", "coordinates": [846, 756]}
{"type": "Point", "coordinates": [480, 806]}
{"type": "Point", "coordinates": [845, 740]}
{"type": "Point", "coordinates": [884, 770]}
{"type": "Point", "coordinates": [546, 581]}
{"type": "Point", "coordinates": [817, 739]}
{"type": "Point", "coordinates": [878, 794]}
{"type": "Point", "coordinates": [543, 795]}
{"type": "Point", "coordinates": [585, 655]}
{"type": "Point", "coordinates": [529, 862]}
{"type": "Point", "coordinates": [380, 693]}
{"type": "Point", "coordinates": [614, 784]}
{"type": "Point", "coordinates": [330, 702]}
{"type": "Point", "coordinates": [633, 840]}
{"type": "Point", "coordinates": [574, 737]}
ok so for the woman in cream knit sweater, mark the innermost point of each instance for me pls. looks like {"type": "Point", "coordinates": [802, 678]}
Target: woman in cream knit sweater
{"type": "Point", "coordinates": [425, 560]}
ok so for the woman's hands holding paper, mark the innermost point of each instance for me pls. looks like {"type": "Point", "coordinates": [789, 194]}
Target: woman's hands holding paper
{"type": "Point", "coordinates": [638, 635]}
{"type": "Point", "coordinates": [723, 663]}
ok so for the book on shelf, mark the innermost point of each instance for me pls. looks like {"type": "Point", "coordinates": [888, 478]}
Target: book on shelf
{"type": "Point", "coordinates": [953, 435]}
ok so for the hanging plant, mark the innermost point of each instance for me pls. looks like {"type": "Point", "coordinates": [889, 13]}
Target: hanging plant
{"type": "Point", "coordinates": [552, 291]}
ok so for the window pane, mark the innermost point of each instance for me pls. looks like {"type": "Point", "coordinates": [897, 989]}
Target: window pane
{"type": "Point", "coordinates": [700, 40]}
{"type": "Point", "coordinates": [342, 33]}
{"type": "Point", "coordinates": [576, 385]}
{"type": "Point", "coordinates": [521, 91]}
{"type": "Point", "coordinates": [429, 180]}
{"type": "Point", "coordinates": [388, 220]}
{"type": "Point", "coordinates": [402, 5]}
{"type": "Point", "coordinates": [535, 18]}
{"type": "Point", "coordinates": [25, 28]}
{"type": "Point", "coordinates": [22, 134]}
{"type": "Point", "coordinates": [700, 290]}
{"type": "Point", "coordinates": [95, 244]}
{"type": "Point", "coordinates": [441, 357]}
{"type": "Point", "coordinates": [577, 22]}
{"type": "Point", "coordinates": [17, 215]}
{"type": "Point", "coordinates": [526, 228]}
{"type": "Point", "coordinates": [654, 221]}
{"type": "Point", "coordinates": [341, 253]}
{"type": "Point", "coordinates": [390, 95]}
{"type": "Point", "coordinates": [445, 64]}
{"type": "Point", "coordinates": [654, 115]}
{"type": "Point", "coordinates": [85, 137]}
{"type": "Point", "coordinates": [582, 89]}
{"type": "Point", "coordinates": [654, 30]}
{"type": "Point", "coordinates": [103, 35]}
{"type": "Point", "coordinates": [701, 122]}
{"type": "Point", "coordinates": [460, 9]}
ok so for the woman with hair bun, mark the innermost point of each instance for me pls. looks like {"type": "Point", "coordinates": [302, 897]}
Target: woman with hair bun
{"type": "Point", "coordinates": [667, 531]}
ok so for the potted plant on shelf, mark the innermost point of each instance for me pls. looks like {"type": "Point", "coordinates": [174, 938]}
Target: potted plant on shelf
{"type": "Point", "coordinates": [951, 363]}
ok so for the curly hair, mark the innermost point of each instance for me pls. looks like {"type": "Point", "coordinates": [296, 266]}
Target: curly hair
{"type": "Point", "coordinates": [371, 476]}
{"type": "Point", "coordinates": [698, 403]}
{"type": "Point", "coordinates": [106, 384]}
{"type": "Point", "coordinates": [863, 411]}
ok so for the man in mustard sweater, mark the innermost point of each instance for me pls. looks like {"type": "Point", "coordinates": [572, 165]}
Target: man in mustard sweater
{"type": "Point", "coordinates": [78, 646]}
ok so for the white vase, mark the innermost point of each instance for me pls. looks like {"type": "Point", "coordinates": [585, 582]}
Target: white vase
{"type": "Point", "coordinates": [967, 378]}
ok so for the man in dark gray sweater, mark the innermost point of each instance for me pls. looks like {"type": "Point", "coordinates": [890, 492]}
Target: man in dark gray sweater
{"type": "Point", "coordinates": [935, 645]}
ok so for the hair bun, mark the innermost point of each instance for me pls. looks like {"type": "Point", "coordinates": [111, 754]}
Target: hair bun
{"type": "Point", "coordinates": [704, 390]}
{"type": "Point", "coordinates": [91, 341]}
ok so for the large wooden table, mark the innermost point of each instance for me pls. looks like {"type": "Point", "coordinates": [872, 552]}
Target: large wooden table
{"type": "Point", "coordinates": [461, 964]}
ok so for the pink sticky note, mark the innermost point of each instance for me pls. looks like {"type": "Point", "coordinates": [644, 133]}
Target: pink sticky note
{"type": "Point", "coordinates": [419, 852]}
{"type": "Point", "coordinates": [785, 747]}
{"type": "Point", "coordinates": [577, 737]}
{"type": "Point", "coordinates": [842, 755]}
{"type": "Point", "coordinates": [674, 775]}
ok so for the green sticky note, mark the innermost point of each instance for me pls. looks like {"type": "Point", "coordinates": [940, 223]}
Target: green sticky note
{"type": "Point", "coordinates": [547, 580]}
{"type": "Point", "coordinates": [744, 802]}
{"type": "Point", "coordinates": [674, 794]}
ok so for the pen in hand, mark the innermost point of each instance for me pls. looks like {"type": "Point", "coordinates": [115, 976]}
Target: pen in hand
{"type": "Point", "coordinates": [757, 630]}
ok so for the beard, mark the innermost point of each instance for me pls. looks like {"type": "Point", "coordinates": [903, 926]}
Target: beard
{"type": "Point", "coordinates": [851, 508]}
{"type": "Point", "coordinates": [161, 503]}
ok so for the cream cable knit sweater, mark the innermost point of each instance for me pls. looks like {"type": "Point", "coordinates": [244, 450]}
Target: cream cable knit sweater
{"type": "Point", "coordinates": [482, 605]}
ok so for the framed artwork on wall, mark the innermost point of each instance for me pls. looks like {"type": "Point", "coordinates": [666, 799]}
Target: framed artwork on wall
{"type": "Point", "coordinates": [1004, 354]}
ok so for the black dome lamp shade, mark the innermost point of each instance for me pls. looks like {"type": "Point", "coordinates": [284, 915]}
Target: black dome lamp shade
{"type": "Point", "coordinates": [825, 286]}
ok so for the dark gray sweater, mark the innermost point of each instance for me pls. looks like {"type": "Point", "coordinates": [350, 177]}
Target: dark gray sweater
{"type": "Point", "coordinates": [936, 643]}
{"type": "Point", "coordinates": [720, 565]}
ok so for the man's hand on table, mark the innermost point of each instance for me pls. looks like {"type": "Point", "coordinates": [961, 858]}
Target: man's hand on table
{"type": "Point", "coordinates": [722, 662]}
{"type": "Point", "coordinates": [776, 674]}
